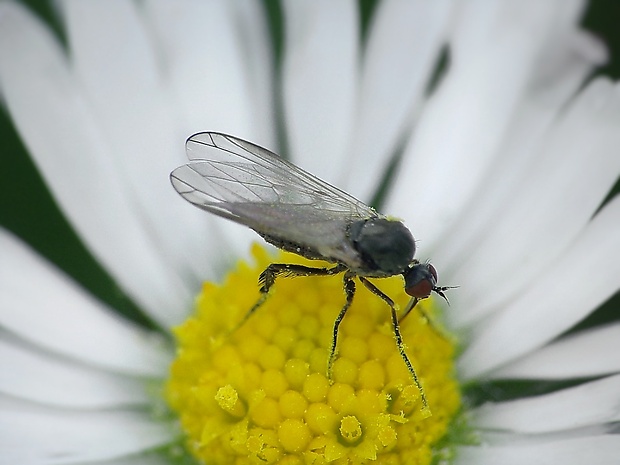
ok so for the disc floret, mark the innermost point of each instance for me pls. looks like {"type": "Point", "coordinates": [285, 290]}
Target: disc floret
{"type": "Point", "coordinates": [259, 392]}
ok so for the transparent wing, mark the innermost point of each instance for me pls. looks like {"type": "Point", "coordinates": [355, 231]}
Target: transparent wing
{"type": "Point", "coordinates": [248, 184]}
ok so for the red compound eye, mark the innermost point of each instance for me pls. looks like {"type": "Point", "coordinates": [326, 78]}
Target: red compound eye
{"type": "Point", "coordinates": [420, 280]}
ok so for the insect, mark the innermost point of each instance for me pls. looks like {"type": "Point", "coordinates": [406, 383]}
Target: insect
{"type": "Point", "coordinates": [299, 213]}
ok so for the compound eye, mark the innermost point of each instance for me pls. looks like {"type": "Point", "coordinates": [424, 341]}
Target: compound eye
{"type": "Point", "coordinates": [433, 271]}
{"type": "Point", "coordinates": [421, 289]}
{"type": "Point", "coordinates": [420, 280]}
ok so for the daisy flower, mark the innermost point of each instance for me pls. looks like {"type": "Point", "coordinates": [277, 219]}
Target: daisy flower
{"type": "Point", "coordinates": [478, 123]}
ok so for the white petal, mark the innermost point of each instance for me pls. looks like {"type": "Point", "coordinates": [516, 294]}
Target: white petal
{"type": "Point", "coordinates": [43, 378]}
{"type": "Point", "coordinates": [491, 437]}
{"type": "Point", "coordinates": [251, 25]}
{"type": "Point", "coordinates": [495, 52]}
{"type": "Point", "coordinates": [205, 49]}
{"type": "Point", "coordinates": [204, 54]}
{"type": "Point", "coordinates": [576, 167]}
{"type": "Point", "coordinates": [560, 74]}
{"type": "Point", "coordinates": [153, 458]}
{"type": "Point", "coordinates": [593, 403]}
{"type": "Point", "coordinates": [479, 23]}
{"type": "Point", "coordinates": [54, 121]}
{"type": "Point", "coordinates": [593, 352]}
{"type": "Point", "coordinates": [598, 450]}
{"type": "Point", "coordinates": [320, 73]}
{"type": "Point", "coordinates": [566, 293]}
{"type": "Point", "coordinates": [41, 305]}
{"type": "Point", "coordinates": [34, 435]}
{"type": "Point", "coordinates": [122, 81]}
{"type": "Point", "coordinates": [403, 45]}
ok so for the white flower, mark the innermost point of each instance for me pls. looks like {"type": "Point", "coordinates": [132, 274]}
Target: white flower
{"type": "Point", "coordinates": [505, 165]}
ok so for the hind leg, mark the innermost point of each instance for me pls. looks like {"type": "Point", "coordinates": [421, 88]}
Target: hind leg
{"type": "Point", "coordinates": [349, 289]}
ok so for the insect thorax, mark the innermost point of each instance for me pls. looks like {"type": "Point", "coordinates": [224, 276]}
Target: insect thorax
{"type": "Point", "coordinates": [385, 246]}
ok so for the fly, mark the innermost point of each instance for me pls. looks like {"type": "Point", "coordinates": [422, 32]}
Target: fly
{"type": "Point", "coordinates": [297, 212]}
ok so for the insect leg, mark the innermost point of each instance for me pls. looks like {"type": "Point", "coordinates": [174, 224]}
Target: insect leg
{"type": "Point", "coordinates": [399, 339]}
{"type": "Point", "coordinates": [349, 289]}
{"type": "Point", "coordinates": [268, 277]}
{"type": "Point", "coordinates": [410, 306]}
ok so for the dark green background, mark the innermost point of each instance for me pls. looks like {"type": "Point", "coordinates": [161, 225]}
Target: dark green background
{"type": "Point", "coordinates": [27, 209]}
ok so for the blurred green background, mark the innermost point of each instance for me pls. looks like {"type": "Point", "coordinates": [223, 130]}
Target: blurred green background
{"type": "Point", "coordinates": [27, 209]}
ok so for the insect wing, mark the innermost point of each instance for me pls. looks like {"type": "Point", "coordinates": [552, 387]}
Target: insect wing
{"type": "Point", "coordinates": [226, 171]}
{"type": "Point", "coordinates": [261, 176]}
{"type": "Point", "coordinates": [248, 184]}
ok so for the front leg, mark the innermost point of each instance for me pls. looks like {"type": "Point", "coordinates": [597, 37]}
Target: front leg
{"type": "Point", "coordinates": [399, 339]}
{"type": "Point", "coordinates": [268, 278]}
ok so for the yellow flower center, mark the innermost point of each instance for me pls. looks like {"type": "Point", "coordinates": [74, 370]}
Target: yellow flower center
{"type": "Point", "coordinates": [258, 393]}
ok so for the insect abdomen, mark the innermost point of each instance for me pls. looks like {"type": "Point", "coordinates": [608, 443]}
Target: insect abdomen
{"type": "Point", "coordinates": [289, 246]}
